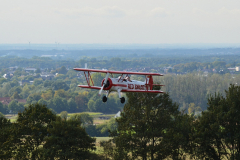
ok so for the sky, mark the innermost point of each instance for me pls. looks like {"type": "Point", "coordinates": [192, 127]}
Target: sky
{"type": "Point", "coordinates": [119, 21]}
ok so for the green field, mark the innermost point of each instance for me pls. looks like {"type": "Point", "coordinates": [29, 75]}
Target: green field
{"type": "Point", "coordinates": [99, 149]}
{"type": "Point", "coordinates": [96, 116]}
{"type": "Point", "coordinates": [12, 117]}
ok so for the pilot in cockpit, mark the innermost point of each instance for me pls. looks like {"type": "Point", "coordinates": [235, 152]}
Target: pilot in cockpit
{"type": "Point", "coordinates": [127, 78]}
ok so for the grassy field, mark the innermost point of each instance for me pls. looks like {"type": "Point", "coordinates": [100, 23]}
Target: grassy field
{"type": "Point", "coordinates": [98, 139]}
{"type": "Point", "coordinates": [98, 117]}
{"type": "Point", "coordinates": [90, 113]}
{"type": "Point", "coordinates": [99, 149]}
{"type": "Point", "coordinates": [97, 121]}
{"type": "Point", "coordinates": [12, 117]}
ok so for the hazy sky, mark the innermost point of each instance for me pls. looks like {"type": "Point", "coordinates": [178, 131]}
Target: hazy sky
{"type": "Point", "coordinates": [120, 21]}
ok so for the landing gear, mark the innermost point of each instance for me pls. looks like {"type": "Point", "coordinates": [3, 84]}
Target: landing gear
{"type": "Point", "coordinates": [104, 99]}
{"type": "Point", "coordinates": [119, 95]}
{"type": "Point", "coordinates": [122, 100]}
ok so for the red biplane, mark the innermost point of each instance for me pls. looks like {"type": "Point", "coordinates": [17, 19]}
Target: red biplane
{"type": "Point", "coordinates": [120, 84]}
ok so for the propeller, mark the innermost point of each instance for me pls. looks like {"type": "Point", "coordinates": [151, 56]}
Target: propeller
{"type": "Point", "coordinates": [105, 81]}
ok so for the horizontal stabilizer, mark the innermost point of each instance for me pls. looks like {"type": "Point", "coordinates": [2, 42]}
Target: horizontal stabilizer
{"type": "Point", "coordinates": [155, 84]}
{"type": "Point", "coordinates": [158, 85]}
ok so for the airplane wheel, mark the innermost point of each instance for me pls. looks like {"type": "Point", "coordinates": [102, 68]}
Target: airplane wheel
{"type": "Point", "coordinates": [122, 100]}
{"type": "Point", "coordinates": [104, 99]}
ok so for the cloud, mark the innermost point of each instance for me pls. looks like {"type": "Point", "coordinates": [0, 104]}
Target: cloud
{"type": "Point", "coordinates": [106, 11]}
{"type": "Point", "coordinates": [159, 12]}
{"type": "Point", "coordinates": [228, 11]}
{"type": "Point", "coordinates": [221, 11]}
{"type": "Point", "coordinates": [200, 11]}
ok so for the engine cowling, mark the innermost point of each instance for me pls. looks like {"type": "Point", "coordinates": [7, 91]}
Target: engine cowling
{"type": "Point", "coordinates": [108, 84]}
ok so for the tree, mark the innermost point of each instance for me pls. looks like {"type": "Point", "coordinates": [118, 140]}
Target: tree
{"type": "Point", "coordinates": [20, 107]}
{"type": "Point", "coordinates": [95, 104]}
{"type": "Point", "coordinates": [33, 123]}
{"type": "Point", "coordinates": [17, 73]}
{"type": "Point", "coordinates": [64, 114]}
{"type": "Point", "coordinates": [112, 124]}
{"type": "Point", "coordinates": [13, 106]}
{"type": "Point", "coordinates": [60, 93]}
{"type": "Point", "coordinates": [81, 101]}
{"type": "Point", "coordinates": [91, 105]}
{"type": "Point", "coordinates": [14, 83]}
{"type": "Point", "coordinates": [191, 108]}
{"type": "Point", "coordinates": [71, 73]}
{"type": "Point", "coordinates": [5, 89]}
{"type": "Point", "coordinates": [143, 125]}
{"type": "Point", "coordinates": [37, 81]}
{"type": "Point", "coordinates": [59, 85]}
{"type": "Point", "coordinates": [38, 70]}
{"type": "Point", "coordinates": [84, 118]}
{"type": "Point", "coordinates": [1, 115]}
{"type": "Point", "coordinates": [59, 104]}
{"type": "Point", "coordinates": [8, 139]}
{"type": "Point", "coordinates": [217, 131]}
{"type": "Point", "coordinates": [72, 105]}
{"type": "Point", "coordinates": [47, 95]}
{"type": "Point", "coordinates": [67, 140]}
{"type": "Point", "coordinates": [2, 108]}
{"type": "Point", "coordinates": [33, 97]}
{"type": "Point", "coordinates": [47, 83]}
{"type": "Point", "coordinates": [177, 141]}
{"type": "Point", "coordinates": [97, 78]}
{"type": "Point", "coordinates": [2, 80]}
{"type": "Point", "coordinates": [42, 101]}
{"type": "Point", "coordinates": [25, 91]}
{"type": "Point", "coordinates": [15, 96]}
{"type": "Point", "coordinates": [62, 70]}
{"type": "Point", "coordinates": [29, 78]}
{"type": "Point", "coordinates": [17, 89]}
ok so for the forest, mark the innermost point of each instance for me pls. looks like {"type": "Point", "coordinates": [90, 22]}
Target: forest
{"type": "Point", "coordinates": [62, 94]}
{"type": "Point", "coordinates": [149, 128]}
{"type": "Point", "coordinates": [198, 112]}
{"type": "Point", "coordinates": [189, 82]}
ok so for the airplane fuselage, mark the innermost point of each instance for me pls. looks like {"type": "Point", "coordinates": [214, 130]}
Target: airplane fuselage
{"type": "Point", "coordinates": [116, 84]}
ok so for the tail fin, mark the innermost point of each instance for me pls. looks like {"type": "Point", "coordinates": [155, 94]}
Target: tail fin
{"type": "Point", "coordinates": [150, 81]}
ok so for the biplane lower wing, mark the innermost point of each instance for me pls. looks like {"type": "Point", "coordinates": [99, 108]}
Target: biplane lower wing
{"type": "Point", "coordinates": [124, 90]}
{"type": "Point", "coordinates": [143, 91]}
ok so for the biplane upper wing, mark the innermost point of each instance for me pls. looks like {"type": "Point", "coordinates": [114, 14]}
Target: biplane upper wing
{"type": "Point", "coordinates": [116, 72]}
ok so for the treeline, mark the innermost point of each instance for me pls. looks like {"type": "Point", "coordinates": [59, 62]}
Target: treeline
{"type": "Point", "coordinates": [195, 88]}
{"type": "Point", "coordinates": [62, 94]}
{"type": "Point", "coordinates": [58, 99]}
{"type": "Point", "coordinates": [36, 62]}
{"type": "Point", "coordinates": [181, 63]}
{"type": "Point", "coordinates": [40, 134]}
{"type": "Point", "coordinates": [151, 127]}
{"type": "Point", "coordinates": [100, 130]}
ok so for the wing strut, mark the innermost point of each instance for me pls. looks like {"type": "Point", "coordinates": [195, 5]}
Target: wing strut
{"type": "Point", "coordinates": [88, 78]}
